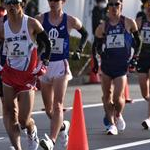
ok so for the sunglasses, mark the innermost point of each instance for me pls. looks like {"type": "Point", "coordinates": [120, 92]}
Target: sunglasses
{"type": "Point", "coordinates": [114, 4]}
{"type": "Point", "coordinates": [54, 0]}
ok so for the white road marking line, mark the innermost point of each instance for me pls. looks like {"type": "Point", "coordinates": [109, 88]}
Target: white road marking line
{"type": "Point", "coordinates": [101, 104]}
{"type": "Point", "coordinates": [2, 138]}
{"type": "Point", "coordinates": [126, 145]}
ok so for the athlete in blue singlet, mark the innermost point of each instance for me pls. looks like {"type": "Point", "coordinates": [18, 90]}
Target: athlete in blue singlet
{"type": "Point", "coordinates": [117, 53]}
{"type": "Point", "coordinates": [54, 83]}
{"type": "Point", "coordinates": [114, 40]}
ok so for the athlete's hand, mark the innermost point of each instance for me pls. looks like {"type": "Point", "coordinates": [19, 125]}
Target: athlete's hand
{"type": "Point", "coordinates": [40, 69]}
{"type": "Point", "coordinates": [77, 55]}
{"type": "Point", "coordinates": [133, 64]}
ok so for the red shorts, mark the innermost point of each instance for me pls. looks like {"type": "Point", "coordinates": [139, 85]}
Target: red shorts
{"type": "Point", "coordinates": [19, 80]}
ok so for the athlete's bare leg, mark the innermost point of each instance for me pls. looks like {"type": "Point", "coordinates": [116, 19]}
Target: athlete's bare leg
{"type": "Point", "coordinates": [144, 85]}
{"type": "Point", "coordinates": [54, 103]}
{"type": "Point", "coordinates": [119, 101]}
{"type": "Point", "coordinates": [107, 97]}
{"type": "Point", "coordinates": [10, 116]}
{"type": "Point", "coordinates": [26, 102]}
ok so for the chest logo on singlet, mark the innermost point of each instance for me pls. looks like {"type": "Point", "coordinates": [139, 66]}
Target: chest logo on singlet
{"type": "Point", "coordinates": [57, 43]}
{"type": "Point", "coordinates": [62, 27]}
{"type": "Point", "coordinates": [53, 33]}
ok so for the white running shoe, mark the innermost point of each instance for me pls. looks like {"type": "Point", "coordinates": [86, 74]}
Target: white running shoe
{"type": "Point", "coordinates": [120, 123]}
{"type": "Point", "coordinates": [146, 124]}
{"type": "Point", "coordinates": [47, 144]}
{"type": "Point", "coordinates": [112, 130]}
{"type": "Point", "coordinates": [63, 135]}
{"type": "Point", "coordinates": [33, 140]}
{"type": "Point", "coordinates": [11, 148]}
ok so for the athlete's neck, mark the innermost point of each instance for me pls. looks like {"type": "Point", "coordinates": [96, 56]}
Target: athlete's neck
{"type": "Point", "coordinates": [56, 17]}
{"type": "Point", "coordinates": [15, 22]}
{"type": "Point", "coordinates": [114, 19]}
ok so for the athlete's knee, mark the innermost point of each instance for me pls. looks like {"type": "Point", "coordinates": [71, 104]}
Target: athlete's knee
{"type": "Point", "coordinates": [49, 113]}
{"type": "Point", "coordinates": [58, 107]}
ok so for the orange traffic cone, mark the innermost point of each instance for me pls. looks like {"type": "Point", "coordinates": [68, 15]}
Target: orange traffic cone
{"type": "Point", "coordinates": [127, 93]}
{"type": "Point", "coordinates": [77, 133]}
{"type": "Point", "coordinates": [94, 78]}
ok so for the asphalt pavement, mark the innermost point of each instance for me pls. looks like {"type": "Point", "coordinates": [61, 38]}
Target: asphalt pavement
{"type": "Point", "coordinates": [133, 138]}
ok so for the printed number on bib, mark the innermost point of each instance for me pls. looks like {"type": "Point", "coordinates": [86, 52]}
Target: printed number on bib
{"type": "Point", "coordinates": [115, 41]}
{"type": "Point", "coordinates": [145, 36]}
{"type": "Point", "coordinates": [18, 49]}
{"type": "Point", "coordinates": [57, 45]}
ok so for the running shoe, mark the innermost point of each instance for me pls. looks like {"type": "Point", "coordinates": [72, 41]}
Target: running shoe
{"type": "Point", "coordinates": [112, 130]}
{"type": "Point", "coordinates": [63, 134]}
{"type": "Point", "coordinates": [106, 122]}
{"type": "Point", "coordinates": [33, 140]}
{"type": "Point", "coordinates": [47, 143]}
{"type": "Point", "coordinates": [11, 148]}
{"type": "Point", "coordinates": [146, 124]}
{"type": "Point", "coordinates": [120, 123]}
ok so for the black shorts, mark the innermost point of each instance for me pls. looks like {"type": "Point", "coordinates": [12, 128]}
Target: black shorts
{"type": "Point", "coordinates": [115, 71]}
{"type": "Point", "coordinates": [144, 63]}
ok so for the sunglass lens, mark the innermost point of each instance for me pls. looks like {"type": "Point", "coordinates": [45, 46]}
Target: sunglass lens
{"type": "Point", "coordinates": [113, 4]}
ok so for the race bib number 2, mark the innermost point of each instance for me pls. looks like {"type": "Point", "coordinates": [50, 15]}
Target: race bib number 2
{"type": "Point", "coordinates": [115, 41]}
{"type": "Point", "coordinates": [18, 49]}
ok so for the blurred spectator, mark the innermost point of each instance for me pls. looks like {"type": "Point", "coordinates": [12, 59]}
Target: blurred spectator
{"type": "Point", "coordinates": [141, 13]}
{"type": "Point", "coordinates": [31, 8]}
{"type": "Point", "coordinates": [98, 13]}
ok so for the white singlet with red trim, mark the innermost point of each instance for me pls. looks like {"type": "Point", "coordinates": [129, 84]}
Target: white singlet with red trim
{"type": "Point", "coordinates": [19, 46]}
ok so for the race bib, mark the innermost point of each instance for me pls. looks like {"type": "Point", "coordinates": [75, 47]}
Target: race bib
{"type": "Point", "coordinates": [145, 36]}
{"type": "Point", "coordinates": [57, 46]}
{"type": "Point", "coordinates": [17, 49]}
{"type": "Point", "coordinates": [115, 41]}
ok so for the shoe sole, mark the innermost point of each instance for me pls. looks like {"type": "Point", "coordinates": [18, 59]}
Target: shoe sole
{"type": "Point", "coordinates": [145, 125]}
{"type": "Point", "coordinates": [110, 133]}
{"type": "Point", "coordinates": [42, 144]}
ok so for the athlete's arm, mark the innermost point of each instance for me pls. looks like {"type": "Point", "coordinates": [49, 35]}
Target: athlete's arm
{"type": "Point", "coordinates": [97, 46]}
{"type": "Point", "coordinates": [137, 38]}
{"type": "Point", "coordinates": [42, 40]}
{"type": "Point", "coordinates": [75, 23]}
{"type": "Point", "coordinates": [99, 39]}
{"type": "Point", "coordinates": [1, 29]}
{"type": "Point", "coordinates": [139, 22]}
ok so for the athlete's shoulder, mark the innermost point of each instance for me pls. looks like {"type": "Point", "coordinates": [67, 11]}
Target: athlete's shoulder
{"type": "Point", "coordinates": [74, 22]}
{"type": "Point", "coordinates": [72, 18]}
{"type": "Point", "coordinates": [129, 21]}
{"type": "Point", "coordinates": [40, 16]}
